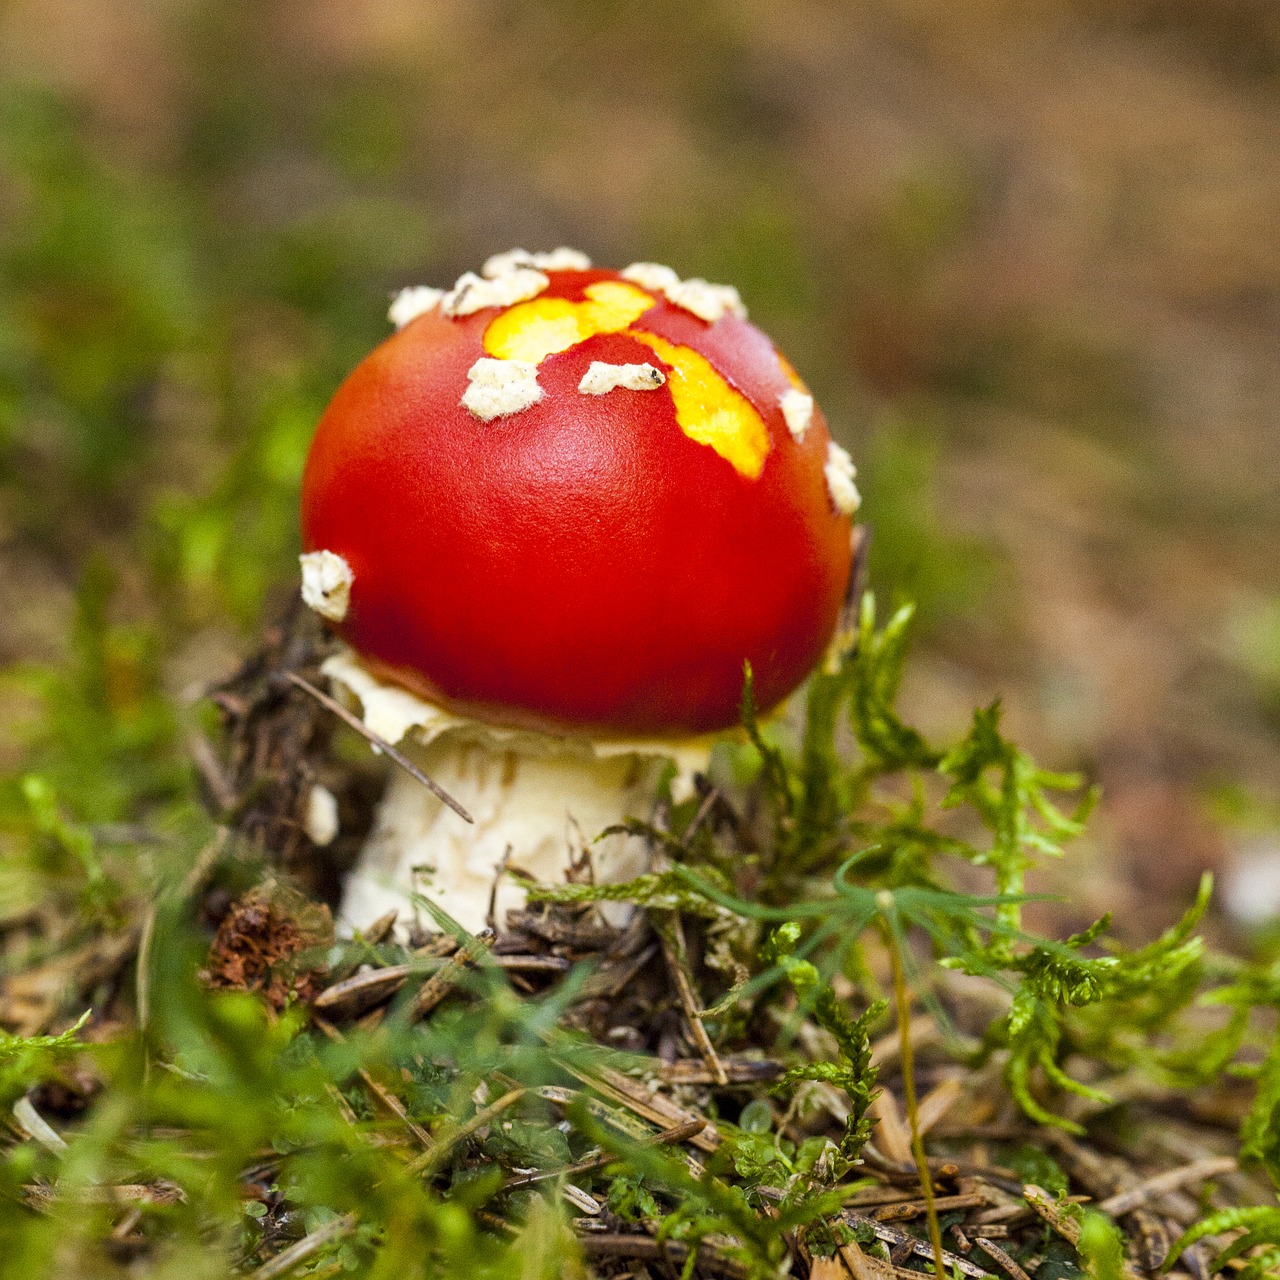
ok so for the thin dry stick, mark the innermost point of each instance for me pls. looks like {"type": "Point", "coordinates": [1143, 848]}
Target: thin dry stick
{"type": "Point", "coordinates": [429, 1162]}
{"type": "Point", "coordinates": [1067, 1227]}
{"type": "Point", "coordinates": [331, 704]}
{"type": "Point", "coordinates": [673, 947]}
{"type": "Point", "coordinates": [440, 983]}
{"type": "Point", "coordinates": [286, 1260]}
{"type": "Point", "coordinates": [701, 816]}
{"type": "Point", "coordinates": [901, 1000]}
{"type": "Point", "coordinates": [1153, 1188]}
{"type": "Point", "coordinates": [679, 1133]}
{"type": "Point", "coordinates": [379, 1091]}
{"type": "Point", "coordinates": [658, 1109]}
{"type": "Point", "coordinates": [1001, 1259]}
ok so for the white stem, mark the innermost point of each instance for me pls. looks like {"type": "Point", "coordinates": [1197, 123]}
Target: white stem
{"type": "Point", "coordinates": [536, 800]}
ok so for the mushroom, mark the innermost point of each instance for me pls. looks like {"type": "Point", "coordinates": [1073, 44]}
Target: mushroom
{"type": "Point", "coordinates": [552, 517]}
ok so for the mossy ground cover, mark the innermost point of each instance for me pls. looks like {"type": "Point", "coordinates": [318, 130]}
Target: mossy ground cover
{"type": "Point", "coordinates": [809, 1052]}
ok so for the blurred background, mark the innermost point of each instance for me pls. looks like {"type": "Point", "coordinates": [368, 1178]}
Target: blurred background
{"type": "Point", "coordinates": [1026, 253]}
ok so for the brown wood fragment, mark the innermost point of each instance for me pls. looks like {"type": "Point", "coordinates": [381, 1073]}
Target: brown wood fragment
{"type": "Point", "coordinates": [614, 976]}
{"type": "Point", "coordinates": [916, 1208]}
{"type": "Point", "coordinates": [644, 1102]}
{"type": "Point", "coordinates": [1043, 1204]}
{"type": "Point", "coordinates": [582, 935]}
{"type": "Point", "coordinates": [675, 949]}
{"type": "Point", "coordinates": [1152, 1238]}
{"type": "Point", "coordinates": [439, 984]}
{"type": "Point", "coordinates": [161, 1193]}
{"type": "Point", "coordinates": [380, 930]}
{"type": "Point", "coordinates": [827, 1269]}
{"type": "Point", "coordinates": [1003, 1214]}
{"type": "Point", "coordinates": [892, 1236]}
{"type": "Point", "coordinates": [863, 1266]}
{"type": "Point", "coordinates": [1067, 1227]}
{"type": "Point", "coordinates": [938, 1101]}
{"type": "Point", "coordinates": [737, 1070]}
{"type": "Point", "coordinates": [1153, 1188]}
{"type": "Point", "coordinates": [878, 1196]}
{"type": "Point", "coordinates": [901, 1253]}
{"type": "Point", "coordinates": [646, 1249]}
{"type": "Point", "coordinates": [1000, 1258]}
{"type": "Point", "coordinates": [533, 964]}
{"type": "Point", "coordinates": [353, 996]}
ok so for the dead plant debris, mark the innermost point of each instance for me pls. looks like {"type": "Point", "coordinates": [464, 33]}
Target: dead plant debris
{"type": "Point", "coordinates": [643, 1090]}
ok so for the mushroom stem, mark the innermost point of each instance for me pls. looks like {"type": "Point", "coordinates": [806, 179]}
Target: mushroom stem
{"type": "Point", "coordinates": [537, 801]}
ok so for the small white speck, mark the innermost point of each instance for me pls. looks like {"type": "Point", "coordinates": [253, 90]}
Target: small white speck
{"type": "Point", "coordinates": [498, 388]}
{"type": "Point", "coordinates": [840, 472]}
{"type": "Point", "coordinates": [410, 303]}
{"type": "Point", "coordinates": [321, 821]}
{"type": "Point", "coordinates": [602, 378]}
{"type": "Point", "coordinates": [797, 409]}
{"type": "Point", "coordinates": [472, 293]}
{"type": "Point", "coordinates": [561, 259]}
{"type": "Point", "coordinates": [326, 584]}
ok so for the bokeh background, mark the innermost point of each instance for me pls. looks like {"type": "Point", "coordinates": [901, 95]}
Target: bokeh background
{"type": "Point", "coordinates": [1027, 252]}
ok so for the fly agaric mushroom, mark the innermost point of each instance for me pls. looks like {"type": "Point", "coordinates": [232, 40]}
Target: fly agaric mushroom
{"type": "Point", "coordinates": [552, 517]}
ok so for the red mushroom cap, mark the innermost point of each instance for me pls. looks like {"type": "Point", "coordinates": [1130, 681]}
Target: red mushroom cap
{"type": "Point", "coordinates": [591, 562]}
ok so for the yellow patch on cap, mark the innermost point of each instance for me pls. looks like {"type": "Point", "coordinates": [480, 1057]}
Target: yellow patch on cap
{"type": "Point", "coordinates": [539, 328]}
{"type": "Point", "coordinates": [708, 409]}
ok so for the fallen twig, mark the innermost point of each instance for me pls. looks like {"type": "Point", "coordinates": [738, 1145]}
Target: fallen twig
{"type": "Point", "coordinates": [287, 1259]}
{"type": "Point", "coordinates": [895, 1236]}
{"type": "Point", "coordinates": [644, 1102]}
{"type": "Point", "coordinates": [1067, 1227]}
{"type": "Point", "coordinates": [672, 1252]}
{"type": "Point", "coordinates": [354, 721]}
{"type": "Point", "coordinates": [1153, 1188]}
{"type": "Point", "coordinates": [1000, 1258]}
{"type": "Point", "coordinates": [681, 1133]}
{"type": "Point", "coordinates": [438, 985]}
{"type": "Point", "coordinates": [673, 948]}
{"type": "Point", "coordinates": [429, 1162]}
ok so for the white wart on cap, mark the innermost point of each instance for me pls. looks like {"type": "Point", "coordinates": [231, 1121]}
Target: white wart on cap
{"type": "Point", "coordinates": [601, 378]}
{"type": "Point", "coordinates": [326, 584]}
{"type": "Point", "coordinates": [498, 388]}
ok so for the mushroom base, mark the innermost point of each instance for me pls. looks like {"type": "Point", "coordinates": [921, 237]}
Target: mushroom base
{"type": "Point", "coordinates": [538, 803]}
{"type": "Point", "coordinates": [533, 813]}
